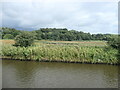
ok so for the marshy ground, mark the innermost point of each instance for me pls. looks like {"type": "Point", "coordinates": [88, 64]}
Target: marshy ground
{"type": "Point", "coordinates": [64, 51]}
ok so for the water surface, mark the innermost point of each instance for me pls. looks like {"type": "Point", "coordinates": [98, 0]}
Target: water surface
{"type": "Point", "coordinates": [29, 74]}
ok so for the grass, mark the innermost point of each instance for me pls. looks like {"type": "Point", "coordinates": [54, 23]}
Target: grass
{"type": "Point", "coordinates": [62, 51]}
{"type": "Point", "coordinates": [78, 43]}
{"type": "Point", "coordinates": [7, 41]}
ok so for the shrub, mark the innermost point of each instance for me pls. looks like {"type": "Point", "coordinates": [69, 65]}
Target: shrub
{"type": "Point", "coordinates": [8, 36]}
{"type": "Point", "coordinates": [114, 42]}
{"type": "Point", "coordinates": [25, 39]}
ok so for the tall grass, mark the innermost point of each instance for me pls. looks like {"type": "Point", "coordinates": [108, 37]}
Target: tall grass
{"type": "Point", "coordinates": [65, 53]}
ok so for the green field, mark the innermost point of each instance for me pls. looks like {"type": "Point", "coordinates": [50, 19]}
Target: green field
{"type": "Point", "coordinates": [62, 51]}
{"type": "Point", "coordinates": [73, 43]}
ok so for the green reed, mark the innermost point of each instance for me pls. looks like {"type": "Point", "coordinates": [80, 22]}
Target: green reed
{"type": "Point", "coordinates": [65, 53]}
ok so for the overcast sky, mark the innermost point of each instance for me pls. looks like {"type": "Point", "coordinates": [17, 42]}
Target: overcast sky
{"type": "Point", "coordinates": [93, 17]}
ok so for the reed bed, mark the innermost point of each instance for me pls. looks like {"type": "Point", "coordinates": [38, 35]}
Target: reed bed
{"type": "Point", "coordinates": [61, 53]}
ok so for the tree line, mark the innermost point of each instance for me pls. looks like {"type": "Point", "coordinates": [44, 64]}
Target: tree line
{"type": "Point", "coordinates": [60, 34]}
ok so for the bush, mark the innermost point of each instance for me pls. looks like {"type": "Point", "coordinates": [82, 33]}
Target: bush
{"type": "Point", "coordinates": [25, 39]}
{"type": "Point", "coordinates": [8, 36]}
{"type": "Point", "coordinates": [114, 42]}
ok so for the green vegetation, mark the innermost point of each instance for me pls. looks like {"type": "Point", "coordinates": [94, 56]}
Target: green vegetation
{"type": "Point", "coordinates": [8, 36]}
{"type": "Point", "coordinates": [72, 46]}
{"type": "Point", "coordinates": [25, 39]}
{"type": "Point", "coordinates": [114, 42]}
{"type": "Point", "coordinates": [63, 53]}
{"type": "Point", "coordinates": [58, 34]}
{"type": "Point", "coordinates": [11, 31]}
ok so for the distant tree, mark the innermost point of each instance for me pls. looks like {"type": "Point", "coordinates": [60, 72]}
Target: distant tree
{"type": "Point", "coordinates": [12, 31]}
{"type": "Point", "coordinates": [8, 36]}
{"type": "Point", "coordinates": [58, 34]}
{"type": "Point", "coordinates": [25, 39]}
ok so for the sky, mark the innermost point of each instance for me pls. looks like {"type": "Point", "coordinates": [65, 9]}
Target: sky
{"type": "Point", "coordinates": [93, 17]}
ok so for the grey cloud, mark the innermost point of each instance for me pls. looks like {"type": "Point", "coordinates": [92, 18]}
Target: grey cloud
{"type": "Point", "coordinates": [89, 17]}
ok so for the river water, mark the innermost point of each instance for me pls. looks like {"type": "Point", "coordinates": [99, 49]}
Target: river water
{"type": "Point", "coordinates": [30, 74]}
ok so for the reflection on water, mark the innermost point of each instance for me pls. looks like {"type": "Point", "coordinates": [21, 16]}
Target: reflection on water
{"type": "Point", "coordinates": [0, 74]}
{"type": "Point", "coordinates": [28, 74]}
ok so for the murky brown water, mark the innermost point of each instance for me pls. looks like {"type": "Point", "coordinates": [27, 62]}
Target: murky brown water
{"type": "Point", "coordinates": [0, 74]}
{"type": "Point", "coordinates": [28, 74]}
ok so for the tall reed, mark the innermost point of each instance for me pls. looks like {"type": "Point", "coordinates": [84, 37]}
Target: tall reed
{"type": "Point", "coordinates": [65, 53]}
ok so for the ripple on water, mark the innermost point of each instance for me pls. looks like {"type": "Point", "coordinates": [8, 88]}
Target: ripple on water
{"type": "Point", "coordinates": [26, 74]}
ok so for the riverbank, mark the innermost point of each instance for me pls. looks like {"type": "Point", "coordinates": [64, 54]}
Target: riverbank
{"type": "Point", "coordinates": [61, 53]}
{"type": "Point", "coordinates": [59, 61]}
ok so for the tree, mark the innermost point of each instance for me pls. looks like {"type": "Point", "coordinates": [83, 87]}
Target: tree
{"type": "Point", "coordinates": [11, 31]}
{"type": "Point", "coordinates": [57, 34]}
{"type": "Point", "coordinates": [114, 42]}
{"type": "Point", "coordinates": [8, 36]}
{"type": "Point", "coordinates": [25, 39]}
